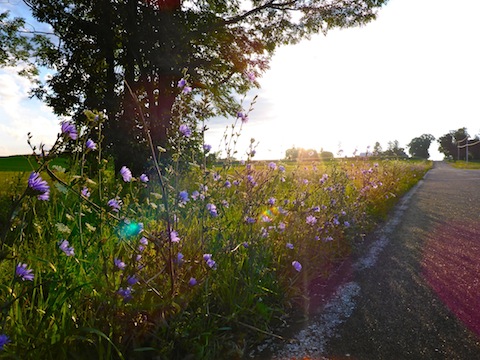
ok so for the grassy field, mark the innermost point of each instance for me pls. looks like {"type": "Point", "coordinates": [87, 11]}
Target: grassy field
{"type": "Point", "coordinates": [474, 165]}
{"type": "Point", "coordinates": [23, 163]}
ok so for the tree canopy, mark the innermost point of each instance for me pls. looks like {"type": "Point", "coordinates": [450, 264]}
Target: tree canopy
{"type": "Point", "coordinates": [96, 46]}
{"type": "Point", "coordinates": [419, 146]}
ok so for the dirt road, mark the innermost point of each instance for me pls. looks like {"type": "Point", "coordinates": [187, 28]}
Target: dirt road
{"type": "Point", "coordinates": [415, 294]}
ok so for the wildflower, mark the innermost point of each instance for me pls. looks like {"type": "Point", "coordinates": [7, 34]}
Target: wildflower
{"type": "Point", "coordinates": [192, 281]}
{"type": "Point", "coordinates": [346, 224]}
{"type": "Point", "coordinates": [174, 236]}
{"type": "Point", "coordinates": [242, 116]}
{"type": "Point", "coordinates": [311, 220]}
{"type": "Point", "coordinates": [253, 152]}
{"type": "Point", "coordinates": [245, 245]}
{"type": "Point", "coordinates": [216, 176]}
{"type": "Point", "coordinates": [119, 263]}
{"type": "Point", "coordinates": [289, 246]}
{"type": "Point", "coordinates": [227, 184]}
{"type": "Point", "coordinates": [251, 76]}
{"type": "Point", "coordinates": [210, 262]}
{"type": "Point", "coordinates": [212, 209]}
{"type": "Point", "coordinates": [297, 265]}
{"type": "Point", "coordinates": [126, 174]}
{"type": "Point", "coordinates": [125, 293]}
{"type": "Point", "coordinates": [281, 168]}
{"type": "Point", "coordinates": [249, 220]}
{"type": "Point", "coordinates": [85, 192]}
{"type": "Point", "coordinates": [251, 180]}
{"type": "Point", "coordinates": [114, 204]}
{"type": "Point", "coordinates": [69, 130]}
{"type": "Point", "coordinates": [144, 178]}
{"type": "Point", "coordinates": [179, 259]}
{"type": "Point", "coordinates": [91, 145]}
{"type": "Point", "coordinates": [181, 83]}
{"type": "Point", "coordinates": [281, 227]}
{"type": "Point", "coordinates": [143, 241]}
{"type": "Point", "coordinates": [272, 201]}
{"type": "Point", "coordinates": [68, 250]}
{"type": "Point", "coordinates": [23, 273]}
{"type": "Point", "coordinates": [39, 186]}
{"type": "Point", "coordinates": [225, 203]}
{"type": "Point", "coordinates": [4, 340]}
{"type": "Point", "coordinates": [263, 232]}
{"type": "Point", "coordinates": [207, 147]}
{"type": "Point", "coordinates": [187, 90]}
{"type": "Point", "coordinates": [195, 195]}
{"type": "Point", "coordinates": [272, 166]}
{"type": "Point", "coordinates": [265, 218]}
{"type": "Point", "coordinates": [183, 196]}
{"type": "Point", "coordinates": [132, 280]}
{"type": "Point", "coordinates": [185, 130]}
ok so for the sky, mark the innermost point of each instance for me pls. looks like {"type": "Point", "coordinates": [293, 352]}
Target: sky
{"type": "Point", "coordinates": [415, 70]}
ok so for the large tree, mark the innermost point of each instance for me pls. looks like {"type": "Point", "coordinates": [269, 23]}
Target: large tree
{"type": "Point", "coordinates": [99, 44]}
{"type": "Point", "coordinates": [449, 144]}
{"type": "Point", "coordinates": [419, 146]}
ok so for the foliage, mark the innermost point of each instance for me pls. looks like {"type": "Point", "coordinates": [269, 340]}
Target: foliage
{"type": "Point", "coordinates": [419, 146]}
{"type": "Point", "coordinates": [96, 46]}
{"type": "Point", "coordinates": [456, 144]}
{"type": "Point", "coordinates": [301, 154]}
{"type": "Point", "coordinates": [197, 261]}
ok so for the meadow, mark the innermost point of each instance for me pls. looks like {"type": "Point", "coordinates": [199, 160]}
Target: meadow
{"type": "Point", "coordinates": [190, 260]}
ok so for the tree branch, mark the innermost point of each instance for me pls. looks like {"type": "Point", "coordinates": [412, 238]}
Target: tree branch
{"type": "Point", "coordinates": [269, 5]}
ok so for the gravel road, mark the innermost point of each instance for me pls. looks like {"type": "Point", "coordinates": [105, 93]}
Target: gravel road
{"type": "Point", "coordinates": [415, 292]}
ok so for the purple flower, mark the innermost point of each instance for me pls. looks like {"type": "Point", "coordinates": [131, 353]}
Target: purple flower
{"type": "Point", "coordinates": [187, 90]}
{"type": "Point", "coordinates": [179, 259]}
{"type": "Point", "coordinates": [23, 273]}
{"type": "Point", "coordinates": [183, 196]}
{"type": "Point", "coordinates": [311, 220]}
{"type": "Point", "coordinates": [114, 204]}
{"type": "Point", "coordinates": [207, 147]}
{"type": "Point", "coordinates": [181, 83]}
{"type": "Point", "coordinates": [144, 178]}
{"type": "Point", "coordinates": [132, 280]}
{"type": "Point", "coordinates": [85, 192]}
{"type": "Point", "coordinates": [68, 250]}
{"type": "Point", "coordinates": [4, 340]}
{"type": "Point", "coordinates": [212, 209]}
{"type": "Point", "coordinates": [216, 176]}
{"type": "Point", "coordinates": [281, 168]}
{"type": "Point", "coordinates": [143, 241]}
{"type": "Point", "coordinates": [251, 76]}
{"type": "Point", "coordinates": [297, 265]}
{"type": "Point", "coordinates": [272, 201]}
{"type": "Point", "coordinates": [39, 186]}
{"type": "Point", "coordinates": [289, 246]}
{"type": "Point", "coordinates": [69, 130]}
{"type": "Point", "coordinates": [192, 281]}
{"type": "Point", "coordinates": [347, 224]}
{"type": "Point", "coordinates": [272, 166]}
{"type": "Point", "coordinates": [227, 184]}
{"type": "Point", "coordinates": [249, 220]}
{"type": "Point", "coordinates": [174, 236]}
{"type": "Point", "coordinates": [225, 203]}
{"type": "Point", "coordinates": [281, 227]}
{"type": "Point", "coordinates": [91, 144]}
{"type": "Point", "coordinates": [125, 293]}
{"type": "Point", "coordinates": [126, 174]}
{"type": "Point", "coordinates": [119, 263]}
{"type": "Point", "coordinates": [195, 195]}
{"type": "Point", "coordinates": [242, 116]}
{"type": "Point", "coordinates": [185, 130]}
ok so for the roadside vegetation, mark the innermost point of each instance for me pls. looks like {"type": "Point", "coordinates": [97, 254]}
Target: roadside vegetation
{"type": "Point", "coordinates": [191, 259]}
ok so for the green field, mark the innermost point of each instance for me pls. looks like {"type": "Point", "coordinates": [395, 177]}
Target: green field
{"type": "Point", "coordinates": [22, 163]}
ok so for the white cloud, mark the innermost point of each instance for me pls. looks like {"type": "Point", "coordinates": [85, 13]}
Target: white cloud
{"type": "Point", "coordinates": [20, 115]}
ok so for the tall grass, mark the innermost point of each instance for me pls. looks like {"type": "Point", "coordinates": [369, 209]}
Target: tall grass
{"type": "Point", "coordinates": [199, 261]}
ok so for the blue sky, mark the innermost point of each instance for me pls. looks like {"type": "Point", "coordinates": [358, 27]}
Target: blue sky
{"type": "Point", "coordinates": [414, 70]}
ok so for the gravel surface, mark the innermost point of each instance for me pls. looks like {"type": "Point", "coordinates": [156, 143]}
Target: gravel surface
{"type": "Point", "coordinates": [415, 292]}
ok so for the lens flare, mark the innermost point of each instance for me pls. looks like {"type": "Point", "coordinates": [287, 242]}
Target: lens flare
{"type": "Point", "coordinates": [269, 214]}
{"type": "Point", "coordinates": [128, 229]}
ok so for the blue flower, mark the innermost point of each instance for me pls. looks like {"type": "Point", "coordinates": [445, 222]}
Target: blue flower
{"type": "Point", "coordinates": [4, 340]}
{"type": "Point", "coordinates": [68, 250]}
{"type": "Point", "coordinates": [183, 196]}
{"type": "Point", "coordinates": [174, 236]}
{"type": "Point", "coordinates": [297, 266]}
{"type": "Point", "coordinates": [126, 174]}
{"type": "Point", "coordinates": [69, 130]}
{"type": "Point", "coordinates": [114, 204]}
{"type": "Point", "coordinates": [91, 144]}
{"type": "Point", "coordinates": [23, 273]}
{"type": "Point", "coordinates": [119, 264]}
{"type": "Point", "coordinates": [212, 209]}
{"type": "Point", "coordinates": [185, 130]}
{"type": "Point", "coordinates": [39, 186]}
{"type": "Point", "coordinates": [144, 178]}
{"type": "Point", "coordinates": [192, 281]}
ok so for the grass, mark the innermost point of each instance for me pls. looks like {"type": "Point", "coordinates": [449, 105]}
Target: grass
{"type": "Point", "coordinates": [23, 163]}
{"type": "Point", "coordinates": [473, 165]}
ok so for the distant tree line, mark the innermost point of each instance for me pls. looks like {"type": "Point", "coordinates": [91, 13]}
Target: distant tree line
{"type": "Point", "coordinates": [457, 145]}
